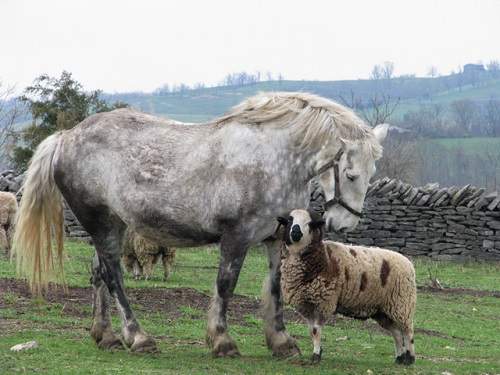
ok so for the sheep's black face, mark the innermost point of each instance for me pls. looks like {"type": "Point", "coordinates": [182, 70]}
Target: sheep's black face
{"type": "Point", "coordinates": [300, 229]}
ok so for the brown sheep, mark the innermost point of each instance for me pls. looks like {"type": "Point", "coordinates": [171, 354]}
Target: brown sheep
{"type": "Point", "coordinates": [140, 255]}
{"type": "Point", "coordinates": [321, 278]}
{"type": "Point", "coordinates": [8, 211]}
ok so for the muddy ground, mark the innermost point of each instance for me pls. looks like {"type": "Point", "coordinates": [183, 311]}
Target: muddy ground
{"type": "Point", "coordinates": [171, 302]}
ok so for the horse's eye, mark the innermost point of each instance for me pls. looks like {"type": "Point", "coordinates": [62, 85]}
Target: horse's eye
{"type": "Point", "coordinates": [352, 177]}
{"type": "Point", "coordinates": [290, 219]}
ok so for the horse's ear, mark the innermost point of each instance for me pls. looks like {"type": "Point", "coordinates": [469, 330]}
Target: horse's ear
{"type": "Point", "coordinates": [282, 220]}
{"type": "Point", "coordinates": [380, 132]}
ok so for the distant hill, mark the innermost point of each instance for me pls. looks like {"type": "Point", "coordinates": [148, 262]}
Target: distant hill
{"type": "Point", "coordinates": [200, 105]}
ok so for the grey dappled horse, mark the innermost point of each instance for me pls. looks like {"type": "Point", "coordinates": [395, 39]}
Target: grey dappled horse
{"type": "Point", "coordinates": [221, 182]}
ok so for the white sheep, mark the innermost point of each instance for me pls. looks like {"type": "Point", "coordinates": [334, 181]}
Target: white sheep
{"type": "Point", "coordinates": [8, 211]}
{"type": "Point", "coordinates": [140, 255]}
{"type": "Point", "coordinates": [321, 278]}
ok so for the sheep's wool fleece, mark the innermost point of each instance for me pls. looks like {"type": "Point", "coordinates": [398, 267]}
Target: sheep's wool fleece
{"type": "Point", "coordinates": [8, 208]}
{"type": "Point", "coordinates": [355, 281]}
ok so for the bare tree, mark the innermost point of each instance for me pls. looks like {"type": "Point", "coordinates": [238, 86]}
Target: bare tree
{"type": "Point", "coordinates": [9, 114]}
{"type": "Point", "coordinates": [494, 68]}
{"type": "Point", "coordinates": [387, 70]}
{"type": "Point", "coordinates": [352, 101]}
{"type": "Point", "coordinates": [380, 109]}
{"type": "Point", "coordinates": [492, 117]}
{"type": "Point", "coordinates": [464, 113]}
{"type": "Point", "coordinates": [427, 121]}
{"type": "Point", "coordinates": [400, 159]}
{"type": "Point", "coordinates": [432, 71]}
{"type": "Point", "coordinates": [377, 72]}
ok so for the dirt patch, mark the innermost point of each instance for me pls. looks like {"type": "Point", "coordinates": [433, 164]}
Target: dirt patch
{"type": "Point", "coordinates": [172, 303]}
{"type": "Point", "coordinates": [460, 291]}
{"type": "Point", "coordinates": [430, 332]}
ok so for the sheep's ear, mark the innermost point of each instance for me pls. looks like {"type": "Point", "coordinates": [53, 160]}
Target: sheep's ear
{"type": "Point", "coordinates": [282, 220]}
{"type": "Point", "coordinates": [317, 224]}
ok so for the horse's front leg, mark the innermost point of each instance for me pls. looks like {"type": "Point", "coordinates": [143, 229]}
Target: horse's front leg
{"type": "Point", "coordinates": [233, 251]}
{"type": "Point", "coordinates": [277, 338]}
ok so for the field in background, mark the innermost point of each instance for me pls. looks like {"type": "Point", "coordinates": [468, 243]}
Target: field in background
{"type": "Point", "coordinates": [472, 146]}
{"type": "Point", "coordinates": [203, 104]}
{"type": "Point", "coordinates": [456, 331]}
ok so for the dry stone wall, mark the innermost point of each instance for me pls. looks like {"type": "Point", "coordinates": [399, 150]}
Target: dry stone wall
{"type": "Point", "coordinates": [441, 223]}
{"type": "Point", "coordinates": [72, 227]}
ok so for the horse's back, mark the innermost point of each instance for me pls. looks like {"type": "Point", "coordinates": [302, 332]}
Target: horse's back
{"type": "Point", "coordinates": [136, 167]}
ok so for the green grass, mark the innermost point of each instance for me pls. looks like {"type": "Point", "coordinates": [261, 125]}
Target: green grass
{"type": "Point", "coordinates": [470, 146]}
{"type": "Point", "coordinates": [455, 333]}
{"type": "Point", "coordinates": [204, 104]}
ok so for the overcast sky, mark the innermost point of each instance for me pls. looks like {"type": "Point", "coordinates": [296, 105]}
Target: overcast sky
{"type": "Point", "coordinates": [139, 45]}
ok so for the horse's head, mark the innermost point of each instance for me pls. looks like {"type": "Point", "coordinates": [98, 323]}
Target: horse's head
{"type": "Point", "coordinates": [345, 181]}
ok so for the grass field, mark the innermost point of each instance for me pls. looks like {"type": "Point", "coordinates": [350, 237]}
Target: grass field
{"type": "Point", "coordinates": [471, 146]}
{"type": "Point", "coordinates": [457, 330]}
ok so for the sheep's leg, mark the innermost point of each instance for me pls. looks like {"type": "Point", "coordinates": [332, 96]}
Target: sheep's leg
{"type": "Point", "coordinates": [387, 323]}
{"type": "Point", "coordinates": [137, 270]}
{"type": "Point", "coordinates": [277, 338]}
{"type": "Point", "coordinates": [9, 230]}
{"type": "Point", "coordinates": [4, 241]}
{"type": "Point", "coordinates": [408, 353]}
{"type": "Point", "coordinates": [168, 261]}
{"type": "Point", "coordinates": [233, 252]}
{"type": "Point", "coordinates": [315, 331]}
{"type": "Point", "coordinates": [101, 330]}
{"type": "Point", "coordinates": [148, 267]}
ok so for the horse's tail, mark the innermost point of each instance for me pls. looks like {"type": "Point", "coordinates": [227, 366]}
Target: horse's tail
{"type": "Point", "coordinates": [40, 219]}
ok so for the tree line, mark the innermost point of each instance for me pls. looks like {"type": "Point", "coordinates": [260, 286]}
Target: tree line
{"type": "Point", "coordinates": [236, 79]}
{"type": "Point", "coordinates": [461, 118]}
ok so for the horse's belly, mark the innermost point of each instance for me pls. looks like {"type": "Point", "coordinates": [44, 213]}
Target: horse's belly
{"type": "Point", "coordinates": [177, 235]}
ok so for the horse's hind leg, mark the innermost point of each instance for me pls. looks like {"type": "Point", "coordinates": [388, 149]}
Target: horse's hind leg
{"type": "Point", "coordinates": [277, 338]}
{"type": "Point", "coordinates": [102, 331]}
{"type": "Point", "coordinates": [109, 250]}
{"type": "Point", "coordinates": [233, 253]}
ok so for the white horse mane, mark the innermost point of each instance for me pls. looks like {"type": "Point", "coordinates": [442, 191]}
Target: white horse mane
{"type": "Point", "coordinates": [311, 119]}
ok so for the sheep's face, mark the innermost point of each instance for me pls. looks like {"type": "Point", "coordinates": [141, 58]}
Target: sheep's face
{"type": "Point", "coordinates": [300, 230]}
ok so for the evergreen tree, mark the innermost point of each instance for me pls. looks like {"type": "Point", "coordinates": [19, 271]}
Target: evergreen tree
{"type": "Point", "coordinates": [55, 104]}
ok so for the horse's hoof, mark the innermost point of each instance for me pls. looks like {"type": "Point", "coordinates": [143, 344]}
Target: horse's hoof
{"type": "Point", "coordinates": [224, 346]}
{"type": "Point", "coordinates": [105, 338]}
{"type": "Point", "coordinates": [287, 349]}
{"type": "Point", "coordinates": [110, 343]}
{"type": "Point", "coordinates": [227, 349]}
{"type": "Point", "coordinates": [144, 345]}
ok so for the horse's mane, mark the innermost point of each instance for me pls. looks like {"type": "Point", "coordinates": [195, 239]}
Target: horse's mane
{"type": "Point", "coordinates": [310, 118]}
